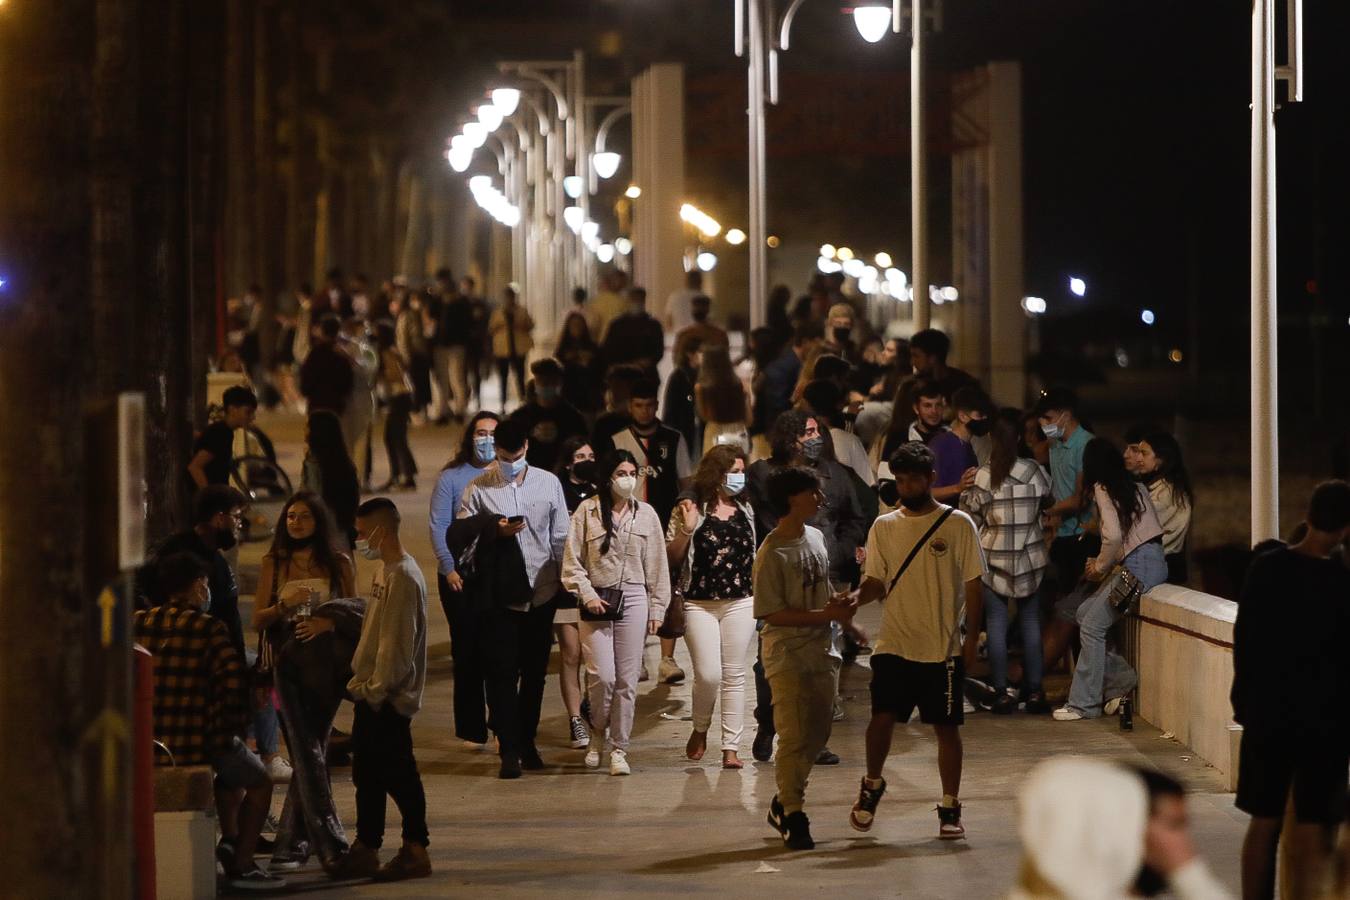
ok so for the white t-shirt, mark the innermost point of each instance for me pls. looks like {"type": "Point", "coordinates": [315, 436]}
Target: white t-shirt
{"type": "Point", "coordinates": [920, 619]}
{"type": "Point", "coordinates": [850, 452]}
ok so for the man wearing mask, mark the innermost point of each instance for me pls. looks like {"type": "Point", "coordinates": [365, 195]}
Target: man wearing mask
{"type": "Point", "coordinates": [956, 463]}
{"type": "Point", "coordinates": [635, 337]}
{"type": "Point", "coordinates": [839, 334]}
{"type": "Point", "coordinates": [515, 634]}
{"type": "Point", "coordinates": [663, 468]}
{"type": "Point", "coordinates": [1057, 414]}
{"type": "Point", "coordinates": [548, 418]}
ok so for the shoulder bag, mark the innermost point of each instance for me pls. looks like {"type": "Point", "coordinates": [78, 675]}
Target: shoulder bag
{"type": "Point", "coordinates": [610, 597]}
{"type": "Point", "coordinates": [927, 536]}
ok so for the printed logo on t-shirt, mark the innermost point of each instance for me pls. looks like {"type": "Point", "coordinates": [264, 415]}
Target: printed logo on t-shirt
{"type": "Point", "coordinates": [938, 547]}
{"type": "Point", "coordinates": [813, 572]}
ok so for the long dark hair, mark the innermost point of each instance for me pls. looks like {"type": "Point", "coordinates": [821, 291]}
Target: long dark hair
{"type": "Point", "coordinates": [1171, 467]}
{"type": "Point", "coordinates": [723, 393]}
{"type": "Point", "coordinates": [566, 340]}
{"type": "Point", "coordinates": [613, 459]}
{"type": "Point", "coordinates": [1004, 448]}
{"type": "Point", "coordinates": [784, 433]}
{"type": "Point", "coordinates": [465, 453]}
{"type": "Point", "coordinates": [1103, 465]}
{"type": "Point", "coordinates": [323, 551]}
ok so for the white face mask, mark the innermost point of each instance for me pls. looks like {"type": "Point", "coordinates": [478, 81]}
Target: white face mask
{"type": "Point", "coordinates": [1051, 432]}
{"type": "Point", "coordinates": [364, 548]}
{"type": "Point", "coordinates": [624, 486]}
{"type": "Point", "coordinates": [733, 483]}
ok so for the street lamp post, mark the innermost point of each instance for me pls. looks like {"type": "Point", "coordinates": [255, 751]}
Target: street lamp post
{"type": "Point", "coordinates": [918, 172]}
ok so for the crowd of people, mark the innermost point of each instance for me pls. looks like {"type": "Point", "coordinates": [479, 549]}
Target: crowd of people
{"type": "Point", "coordinates": [747, 506]}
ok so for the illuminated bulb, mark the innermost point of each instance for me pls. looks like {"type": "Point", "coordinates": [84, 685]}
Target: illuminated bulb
{"type": "Point", "coordinates": [475, 133]}
{"type": "Point", "coordinates": [458, 141]}
{"type": "Point", "coordinates": [773, 241]}
{"type": "Point", "coordinates": [883, 260]}
{"type": "Point", "coordinates": [1077, 286]}
{"type": "Point", "coordinates": [827, 251]}
{"type": "Point", "coordinates": [574, 216]}
{"type": "Point", "coordinates": [460, 158]}
{"type": "Point", "coordinates": [735, 236]}
{"type": "Point", "coordinates": [624, 246]}
{"type": "Point", "coordinates": [589, 231]}
{"type": "Point", "coordinates": [633, 192]}
{"type": "Point", "coordinates": [506, 100]}
{"type": "Point", "coordinates": [949, 294]}
{"type": "Point", "coordinates": [827, 266]}
{"type": "Point", "coordinates": [896, 277]}
{"type": "Point", "coordinates": [480, 183]}
{"type": "Point", "coordinates": [1147, 317]}
{"type": "Point", "coordinates": [572, 186]}
{"type": "Point", "coordinates": [844, 253]}
{"type": "Point", "coordinates": [606, 164]}
{"type": "Point", "coordinates": [490, 117]}
{"type": "Point", "coordinates": [605, 253]}
{"type": "Point", "coordinates": [1034, 305]}
{"type": "Point", "coordinates": [853, 268]}
{"type": "Point", "coordinates": [707, 261]}
{"type": "Point", "coordinates": [872, 22]}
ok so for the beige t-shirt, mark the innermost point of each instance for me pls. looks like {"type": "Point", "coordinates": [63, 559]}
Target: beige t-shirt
{"type": "Point", "coordinates": [921, 617]}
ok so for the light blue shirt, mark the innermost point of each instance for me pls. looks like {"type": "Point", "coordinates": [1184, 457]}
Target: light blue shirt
{"type": "Point", "coordinates": [445, 501]}
{"type": "Point", "coordinates": [1066, 461]}
{"type": "Point", "coordinates": [538, 496]}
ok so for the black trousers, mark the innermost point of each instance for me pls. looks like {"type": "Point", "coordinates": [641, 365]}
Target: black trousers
{"type": "Point", "coordinates": [383, 765]}
{"type": "Point", "coordinates": [401, 462]}
{"type": "Point", "coordinates": [471, 722]}
{"type": "Point", "coordinates": [763, 693]}
{"type": "Point", "coordinates": [517, 365]}
{"type": "Point", "coordinates": [515, 649]}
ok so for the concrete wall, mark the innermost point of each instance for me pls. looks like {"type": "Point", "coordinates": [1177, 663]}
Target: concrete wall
{"type": "Point", "coordinates": [1184, 642]}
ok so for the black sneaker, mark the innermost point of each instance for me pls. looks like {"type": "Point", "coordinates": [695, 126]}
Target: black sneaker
{"type": "Point", "coordinates": [255, 879]}
{"type": "Point", "coordinates": [586, 712]}
{"type": "Point", "coordinates": [949, 823]}
{"type": "Point", "coordinates": [1004, 705]}
{"type": "Point", "coordinates": [776, 816]}
{"type": "Point", "coordinates": [510, 768]}
{"type": "Point", "coordinates": [225, 857]}
{"type": "Point", "coordinates": [865, 810]}
{"type": "Point", "coordinates": [1037, 704]}
{"type": "Point", "coordinates": [762, 747]}
{"type": "Point", "coordinates": [797, 832]}
{"type": "Point", "coordinates": [827, 758]}
{"type": "Point", "coordinates": [530, 761]}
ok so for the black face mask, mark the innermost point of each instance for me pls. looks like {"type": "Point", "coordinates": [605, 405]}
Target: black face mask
{"type": "Point", "coordinates": [700, 315]}
{"type": "Point", "coordinates": [225, 539]}
{"type": "Point", "coordinates": [1150, 882]}
{"type": "Point", "coordinates": [914, 504]}
{"type": "Point", "coordinates": [979, 427]}
{"type": "Point", "coordinates": [888, 493]}
{"type": "Point", "coordinates": [586, 471]}
{"type": "Point", "coordinates": [840, 335]}
{"type": "Point", "coordinates": [301, 543]}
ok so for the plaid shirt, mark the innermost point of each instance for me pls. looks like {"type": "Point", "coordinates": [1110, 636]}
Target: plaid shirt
{"type": "Point", "coordinates": [1009, 522]}
{"type": "Point", "coordinates": [201, 703]}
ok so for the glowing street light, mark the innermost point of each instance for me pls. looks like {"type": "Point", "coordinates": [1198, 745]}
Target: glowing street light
{"type": "Point", "coordinates": [827, 266]}
{"type": "Point", "coordinates": [854, 268]}
{"type": "Point", "coordinates": [573, 186]}
{"type": "Point", "coordinates": [475, 133]}
{"type": "Point", "coordinates": [872, 21]}
{"type": "Point", "coordinates": [707, 261]}
{"type": "Point", "coordinates": [883, 260]}
{"type": "Point", "coordinates": [589, 231]}
{"type": "Point", "coordinates": [633, 192]}
{"type": "Point", "coordinates": [1147, 317]}
{"type": "Point", "coordinates": [844, 254]}
{"type": "Point", "coordinates": [735, 237]}
{"type": "Point", "coordinates": [460, 157]}
{"type": "Point", "coordinates": [1077, 286]}
{"type": "Point", "coordinates": [623, 246]}
{"type": "Point", "coordinates": [490, 116]}
{"type": "Point", "coordinates": [479, 184]}
{"type": "Point", "coordinates": [1034, 306]}
{"type": "Point", "coordinates": [606, 163]}
{"type": "Point", "coordinates": [605, 253]}
{"type": "Point", "coordinates": [828, 251]}
{"type": "Point", "coordinates": [574, 216]}
{"type": "Point", "coordinates": [506, 100]}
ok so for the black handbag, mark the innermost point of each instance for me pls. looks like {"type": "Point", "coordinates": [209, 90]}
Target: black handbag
{"type": "Point", "coordinates": [612, 598]}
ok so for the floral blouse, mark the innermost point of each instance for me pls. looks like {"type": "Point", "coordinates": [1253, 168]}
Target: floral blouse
{"type": "Point", "coordinates": [724, 556]}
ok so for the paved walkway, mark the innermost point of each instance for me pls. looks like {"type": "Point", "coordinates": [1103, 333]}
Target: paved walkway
{"type": "Point", "coordinates": [678, 829]}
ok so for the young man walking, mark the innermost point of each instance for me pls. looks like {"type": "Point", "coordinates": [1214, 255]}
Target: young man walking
{"type": "Point", "coordinates": [389, 671]}
{"type": "Point", "coordinates": [1290, 670]}
{"type": "Point", "coordinates": [793, 600]}
{"type": "Point", "coordinates": [924, 564]}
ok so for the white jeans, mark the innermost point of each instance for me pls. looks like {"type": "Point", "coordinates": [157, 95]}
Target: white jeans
{"type": "Point", "coordinates": [612, 652]}
{"type": "Point", "coordinates": [720, 635]}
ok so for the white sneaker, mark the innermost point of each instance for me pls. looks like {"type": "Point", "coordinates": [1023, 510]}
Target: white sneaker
{"type": "Point", "coordinates": [670, 671]}
{"type": "Point", "coordinates": [592, 758]}
{"type": "Point", "coordinates": [1112, 706]}
{"type": "Point", "coordinates": [1067, 714]}
{"type": "Point", "coordinates": [618, 763]}
{"type": "Point", "coordinates": [279, 770]}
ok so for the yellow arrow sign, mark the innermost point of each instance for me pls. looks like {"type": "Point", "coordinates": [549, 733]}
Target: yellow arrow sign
{"type": "Point", "coordinates": [110, 729]}
{"type": "Point", "coordinates": [107, 602]}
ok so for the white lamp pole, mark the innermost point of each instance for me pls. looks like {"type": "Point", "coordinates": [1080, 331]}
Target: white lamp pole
{"type": "Point", "coordinates": [918, 181]}
{"type": "Point", "coordinates": [759, 261]}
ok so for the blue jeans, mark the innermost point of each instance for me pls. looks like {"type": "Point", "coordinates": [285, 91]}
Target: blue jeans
{"type": "Point", "coordinates": [1102, 672]}
{"type": "Point", "coordinates": [996, 626]}
{"type": "Point", "coordinates": [265, 728]}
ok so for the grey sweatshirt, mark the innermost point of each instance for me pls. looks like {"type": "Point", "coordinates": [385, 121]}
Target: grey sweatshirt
{"type": "Point", "coordinates": [390, 663]}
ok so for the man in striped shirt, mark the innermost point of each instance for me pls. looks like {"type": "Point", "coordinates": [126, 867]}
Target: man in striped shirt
{"type": "Point", "coordinates": [201, 710]}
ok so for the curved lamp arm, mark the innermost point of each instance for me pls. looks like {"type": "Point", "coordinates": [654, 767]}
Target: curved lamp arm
{"type": "Point", "coordinates": [614, 115]}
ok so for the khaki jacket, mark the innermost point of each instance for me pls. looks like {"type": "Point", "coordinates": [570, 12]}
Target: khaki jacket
{"type": "Point", "coordinates": [637, 550]}
{"type": "Point", "coordinates": [501, 335]}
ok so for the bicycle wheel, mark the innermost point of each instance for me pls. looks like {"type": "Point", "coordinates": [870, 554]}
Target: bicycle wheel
{"type": "Point", "coordinates": [266, 486]}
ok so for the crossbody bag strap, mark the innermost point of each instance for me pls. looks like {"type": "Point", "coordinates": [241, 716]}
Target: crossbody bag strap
{"type": "Point", "coordinates": [919, 546]}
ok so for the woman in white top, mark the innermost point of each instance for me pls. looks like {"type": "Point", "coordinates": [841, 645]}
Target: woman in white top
{"type": "Point", "coordinates": [1131, 536]}
{"type": "Point", "coordinates": [711, 542]}
{"type": "Point", "coordinates": [615, 564]}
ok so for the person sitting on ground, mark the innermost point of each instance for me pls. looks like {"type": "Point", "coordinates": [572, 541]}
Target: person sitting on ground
{"type": "Point", "coordinates": [1131, 537]}
{"type": "Point", "coordinates": [1155, 459]}
{"type": "Point", "coordinates": [1290, 671]}
{"type": "Point", "coordinates": [798, 609]}
{"type": "Point", "coordinates": [213, 452]}
{"type": "Point", "coordinates": [201, 711]}
{"type": "Point", "coordinates": [548, 419]}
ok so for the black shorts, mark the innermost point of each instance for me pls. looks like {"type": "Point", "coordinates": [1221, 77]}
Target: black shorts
{"type": "Point", "coordinates": [1274, 760]}
{"type": "Point", "coordinates": [899, 685]}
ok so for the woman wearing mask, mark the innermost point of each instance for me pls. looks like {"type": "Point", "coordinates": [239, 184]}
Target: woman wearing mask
{"type": "Point", "coordinates": [721, 401]}
{"type": "Point", "coordinates": [396, 388]}
{"type": "Point", "coordinates": [328, 471]}
{"type": "Point", "coordinates": [1131, 536]}
{"type": "Point", "coordinates": [711, 543]}
{"type": "Point", "coordinates": [477, 451]}
{"type": "Point", "coordinates": [615, 564]}
{"type": "Point", "coordinates": [1156, 461]}
{"type": "Point", "coordinates": [1006, 502]}
{"type": "Point", "coordinates": [576, 464]}
{"type": "Point", "coordinates": [302, 570]}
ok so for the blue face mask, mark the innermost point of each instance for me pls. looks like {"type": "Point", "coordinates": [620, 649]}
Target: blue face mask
{"type": "Point", "coordinates": [811, 448]}
{"type": "Point", "coordinates": [511, 469]}
{"type": "Point", "coordinates": [485, 449]}
{"type": "Point", "coordinates": [733, 483]}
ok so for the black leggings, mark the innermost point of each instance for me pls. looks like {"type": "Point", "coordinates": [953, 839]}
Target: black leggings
{"type": "Point", "coordinates": [402, 466]}
{"type": "Point", "coordinates": [515, 364]}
